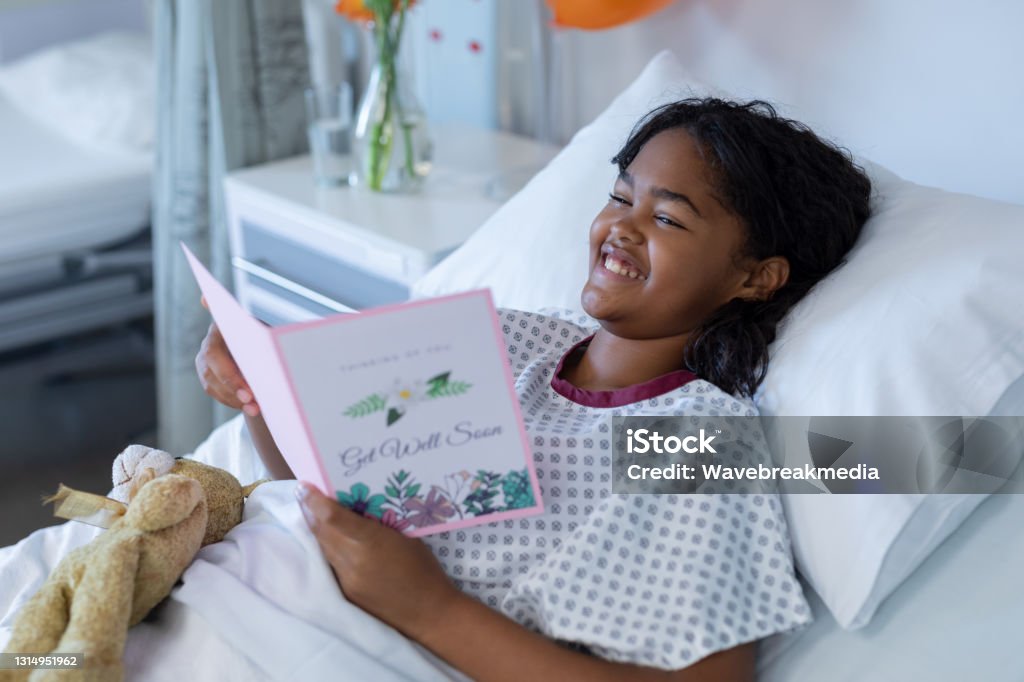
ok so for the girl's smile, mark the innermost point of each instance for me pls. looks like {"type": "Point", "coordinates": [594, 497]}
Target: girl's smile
{"type": "Point", "coordinates": [620, 265]}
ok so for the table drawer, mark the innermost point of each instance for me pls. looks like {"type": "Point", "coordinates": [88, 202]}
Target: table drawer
{"type": "Point", "coordinates": [282, 261]}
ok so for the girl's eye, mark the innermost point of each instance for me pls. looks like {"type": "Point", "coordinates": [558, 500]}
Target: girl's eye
{"type": "Point", "coordinates": [665, 220]}
{"type": "Point", "coordinates": [618, 200]}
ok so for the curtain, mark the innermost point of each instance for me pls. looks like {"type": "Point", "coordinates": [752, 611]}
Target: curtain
{"type": "Point", "coordinates": [231, 75]}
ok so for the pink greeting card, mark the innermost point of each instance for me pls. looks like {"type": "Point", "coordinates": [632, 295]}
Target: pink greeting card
{"type": "Point", "coordinates": [406, 413]}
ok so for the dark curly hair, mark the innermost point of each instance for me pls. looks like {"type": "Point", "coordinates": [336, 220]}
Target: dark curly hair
{"type": "Point", "coordinates": [797, 195]}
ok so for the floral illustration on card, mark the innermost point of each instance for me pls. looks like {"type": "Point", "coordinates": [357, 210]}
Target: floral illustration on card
{"type": "Point", "coordinates": [404, 504]}
{"type": "Point", "coordinates": [359, 500]}
{"type": "Point", "coordinates": [404, 395]}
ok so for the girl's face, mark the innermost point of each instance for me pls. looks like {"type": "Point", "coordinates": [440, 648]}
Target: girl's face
{"type": "Point", "coordinates": [664, 251]}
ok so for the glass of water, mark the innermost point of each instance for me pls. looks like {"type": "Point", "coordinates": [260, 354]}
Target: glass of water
{"type": "Point", "coordinates": [329, 126]}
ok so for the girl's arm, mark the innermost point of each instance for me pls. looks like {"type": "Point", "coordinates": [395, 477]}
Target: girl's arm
{"type": "Point", "coordinates": [267, 448]}
{"type": "Point", "coordinates": [490, 647]}
{"type": "Point", "coordinates": [398, 580]}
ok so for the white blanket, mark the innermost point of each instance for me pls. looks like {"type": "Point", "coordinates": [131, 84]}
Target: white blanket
{"type": "Point", "coordinates": [261, 605]}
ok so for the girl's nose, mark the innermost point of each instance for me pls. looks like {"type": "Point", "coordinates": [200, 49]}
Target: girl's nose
{"type": "Point", "coordinates": [624, 229]}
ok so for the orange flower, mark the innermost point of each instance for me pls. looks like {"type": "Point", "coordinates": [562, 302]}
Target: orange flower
{"type": "Point", "coordinates": [594, 15]}
{"type": "Point", "coordinates": [353, 10]}
{"type": "Point", "coordinates": [357, 11]}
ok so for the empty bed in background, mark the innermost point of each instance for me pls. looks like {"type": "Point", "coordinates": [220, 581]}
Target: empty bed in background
{"type": "Point", "coordinates": [76, 129]}
{"type": "Point", "coordinates": [64, 211]}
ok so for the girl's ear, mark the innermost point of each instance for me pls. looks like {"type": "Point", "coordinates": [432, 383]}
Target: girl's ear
{"type": "Point", "coordinates": [766, 277]}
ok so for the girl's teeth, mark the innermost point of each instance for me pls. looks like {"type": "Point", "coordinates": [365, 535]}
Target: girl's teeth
{"type": "Point", "coordinates": [614, 266]}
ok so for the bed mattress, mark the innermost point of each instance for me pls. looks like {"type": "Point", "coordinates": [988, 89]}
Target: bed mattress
{"type": "Point", "coordinates": [57, 197]}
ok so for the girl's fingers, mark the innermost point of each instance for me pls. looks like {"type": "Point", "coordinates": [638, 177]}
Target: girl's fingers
{"type": "Point", "coordinates": [229, 380]}
{"type": "Point", "coordinates": [231, 387]}
{"type": "Point", "coordinates": [219, 392]}
{"type": "Point", "coordinates": [222, 379]}
{"type": "Point", "coordinates": [223, 394]}
{"type": "Point", "coordinates": [227, 372]}
{"type": "Point", "coordinates": [329, 521]}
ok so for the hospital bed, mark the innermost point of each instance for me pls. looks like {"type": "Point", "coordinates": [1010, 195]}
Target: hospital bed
{"type": "Point", "coordinates": [261, 605]}
{"type": "Point", "coordinates": [74, 217]}
{"type": "Point", "coordinates": [74, 255]}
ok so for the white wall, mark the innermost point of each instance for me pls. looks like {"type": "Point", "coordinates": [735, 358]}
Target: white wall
{"type": "Point", "coordinates": [932, 89]}
{"type": "Point", "coordinates": [456, 82]}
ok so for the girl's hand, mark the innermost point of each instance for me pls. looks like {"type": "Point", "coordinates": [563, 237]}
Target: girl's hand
{"type": "Point", "coordinates": [220, 376]}
{"type": "Point", "coordinates": [391, 576]}
{"type": "Point", "coordinates": [397, 579]}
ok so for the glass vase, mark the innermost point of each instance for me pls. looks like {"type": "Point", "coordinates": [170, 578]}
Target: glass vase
{"type": "Point", "coordinates": [391, 146]}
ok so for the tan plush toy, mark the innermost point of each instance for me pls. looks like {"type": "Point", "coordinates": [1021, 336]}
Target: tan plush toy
{"type": "Point", "coordinates": [98, 591]}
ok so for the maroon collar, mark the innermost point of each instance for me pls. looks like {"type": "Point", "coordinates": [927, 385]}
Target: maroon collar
{"type": "Point", "coordinates": [620, 396]}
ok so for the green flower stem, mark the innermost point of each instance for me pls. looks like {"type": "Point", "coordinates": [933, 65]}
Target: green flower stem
{"type": "Point", "coordinates": [380, 136]}
{"type": "Point", "coordinates": [406, 131]}
{"type": "Point", "coordinates": [382, 133]}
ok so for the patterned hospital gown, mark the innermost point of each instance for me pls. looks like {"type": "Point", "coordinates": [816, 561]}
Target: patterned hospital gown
{"type": "Point", "coordinates": [656, 580]}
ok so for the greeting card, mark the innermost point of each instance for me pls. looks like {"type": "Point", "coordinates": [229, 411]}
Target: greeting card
{"type": "Point", "coordinates": [406, 413]}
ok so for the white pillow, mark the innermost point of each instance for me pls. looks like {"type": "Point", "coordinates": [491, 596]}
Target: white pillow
{"type": "Point", "coordinates": [99, 91]}
{"type": "Point", "coordinates": [555, 209]}
{"type": "Point", "coordinates": [924, 319]}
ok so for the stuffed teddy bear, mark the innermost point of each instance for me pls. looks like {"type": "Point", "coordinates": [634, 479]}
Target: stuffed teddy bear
{"type": "Point", "coordinates": [98, 591]}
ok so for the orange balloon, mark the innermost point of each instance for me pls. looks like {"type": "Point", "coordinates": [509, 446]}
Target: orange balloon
{"type": "Point", "coordinates": [594, 15]}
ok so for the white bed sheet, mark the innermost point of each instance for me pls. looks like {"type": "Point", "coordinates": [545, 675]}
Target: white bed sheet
{"type": "Point", "coordinates": [958, 617]}
{"type": "Point", "coordinates": [57, 197]}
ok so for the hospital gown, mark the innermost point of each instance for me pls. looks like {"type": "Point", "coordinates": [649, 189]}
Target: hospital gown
{"type": "Point", "coordinates": [660, 580]}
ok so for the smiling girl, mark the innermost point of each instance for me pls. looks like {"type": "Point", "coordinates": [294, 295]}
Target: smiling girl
{"type": "Point", "coordinates": [722, 217]}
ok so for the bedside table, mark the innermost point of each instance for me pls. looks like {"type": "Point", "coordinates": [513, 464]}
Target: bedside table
{"type": "Point", "coordinates": [302, 251]}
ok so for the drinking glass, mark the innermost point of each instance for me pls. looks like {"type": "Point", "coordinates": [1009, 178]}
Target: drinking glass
{"type": "Point", "coordinates": [329, 126]}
